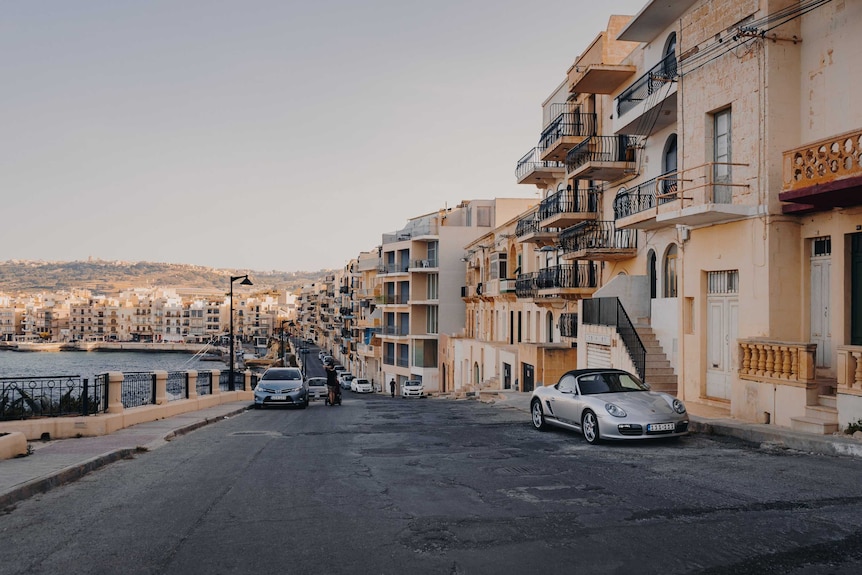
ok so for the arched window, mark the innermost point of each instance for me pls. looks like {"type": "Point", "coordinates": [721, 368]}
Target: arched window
{"type": "Point", "coordinates": [670, 55]}
{"type": "Point", "coordinates": [476, 373]}
{"type": "Point", "coordinates": [669, 166]}
{"type": "Point", "coordinates": [669, 287]}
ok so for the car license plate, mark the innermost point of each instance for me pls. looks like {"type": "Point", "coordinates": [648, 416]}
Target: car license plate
{"type": "Point", "coordinates": [278, 397]}
{"type": "Point", "coordinates": [661, 427]}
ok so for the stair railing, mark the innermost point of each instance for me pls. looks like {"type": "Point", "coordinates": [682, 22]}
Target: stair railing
{"type": "Point", "coordinates": [609, 311]}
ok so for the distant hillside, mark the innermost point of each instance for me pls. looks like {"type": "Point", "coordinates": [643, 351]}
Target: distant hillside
{"type": "Point", "coordinates": [104, 277]}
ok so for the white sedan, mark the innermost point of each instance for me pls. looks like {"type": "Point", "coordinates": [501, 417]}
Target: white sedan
{"type": "Point", "coordinates": [360, 385]}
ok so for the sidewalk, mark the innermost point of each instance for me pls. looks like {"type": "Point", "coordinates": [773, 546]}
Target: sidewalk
{"type": "Point", "coordinates": [57, 462]}
{"type": "Point", "coordinates": [54, 463]}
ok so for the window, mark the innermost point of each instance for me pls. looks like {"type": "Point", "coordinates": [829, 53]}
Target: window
{"type": "Point", "coordinates": [432, 287]}
{"type": "Point", "coordinates": [483, 216]}
{"type": "Point", "coordinates": [431, 319]}
{"type": "Point", "coordinates": [670, 273]}
{"type": "Point", "coordinates": [722, 157]}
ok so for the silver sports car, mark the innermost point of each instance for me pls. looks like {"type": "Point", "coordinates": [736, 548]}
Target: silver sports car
{"type": "Point", "coordinates": [608, 404]}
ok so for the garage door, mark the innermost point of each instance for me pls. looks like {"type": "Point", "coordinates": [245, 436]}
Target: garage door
{"type": "Point", "coordinates": [598, 355]}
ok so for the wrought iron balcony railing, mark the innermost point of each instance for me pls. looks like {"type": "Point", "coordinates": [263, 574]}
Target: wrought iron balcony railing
{"type": "Point", "coordinates": [648, 84]}
{"type": "Point", "coordinates": [532, 162]}
{"type": "Point", "coordinates": [583, 275]}
{"type": "Point", "coordinates": [526, 285]}
{"type": "Point", "coordinates": [597, 235]}
{"type": "Point", "coordinates": [529, 224]}
{"type": "Point", "coordinates": [605, 149]}
{"type": "Point", "coordinates": [569, 201]}
{"type": "Point", "coordinates": [645, 195]}
{"type": "Point", "coordinates": [567, 124]}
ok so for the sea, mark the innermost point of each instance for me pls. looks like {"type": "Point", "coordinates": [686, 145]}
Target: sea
{"type": "Point", "coordinates": [89, 363]}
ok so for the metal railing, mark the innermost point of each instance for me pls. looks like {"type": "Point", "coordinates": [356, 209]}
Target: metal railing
{"type": "Point", "coordinates": [568, 276]}
{"type": "Point", "coordinates": [395, 330]}
{"type": "Point", "coordinates": [599, 234]}
{"type": "Point", "coordinates": [663, 72]}
{"type": "Point", "coordinates": [51, 396]}
{"type": "Point", "coordinates": [391, 299]}
{"type": "Point", "coordinates": [620, 148]}
{"type": "Point", "coordinates": [526, 285]}
{"type": "Point", "coordinates": [426, 263]}
{"type": "Point", "coordinates": [204, 384]}
{"type": "Point", "coordinates": [139, 388]}
{"type": "Point", "coordinates": [238, 381]}
{"type": "Point", "coordinates": [609, 311]}
{"type": "Point", "coordinates": [177, 385]}
{"type": "Point", "coordinates": [569, 201]}
{"type": "Point", "coordinates": [567, 124]}
{"type": "Point", "coordinates": [529, 224]}
{"type": "Point", "coordinates": [531, 161]}
{"type": "Point", "coordinates": [645, 195]}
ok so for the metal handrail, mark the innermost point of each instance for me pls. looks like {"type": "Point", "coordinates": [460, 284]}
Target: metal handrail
{"type": "Point", "coordinates": [598, 234]}
{"type": "Point", "coordinates": [569, 201]}
{"type": "Point", "coordinates": [644, 196]}
{"type": "Point", "coordinates": [618, 148]}
{"type": "Point", "coordinates": [609, 311]}
{"type": "Point", "coordinates": [567, 124]}
{"type": "Point", "coordinates": [663, 72]}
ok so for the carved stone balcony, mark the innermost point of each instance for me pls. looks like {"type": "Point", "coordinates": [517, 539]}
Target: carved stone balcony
{"type": "Point", "coordinates": [850, 369]}
{"type": "Point", "coordinates": [823, 175]}
{"type": "Point", "coordinates": [783, 362]}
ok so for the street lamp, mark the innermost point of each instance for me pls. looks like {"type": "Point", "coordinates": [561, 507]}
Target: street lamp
{"type": "Point", "coordinates": [245, 282]}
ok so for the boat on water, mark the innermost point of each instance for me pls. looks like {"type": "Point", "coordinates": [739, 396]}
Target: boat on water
{"type": "Point", "coordinates": [38, 346]}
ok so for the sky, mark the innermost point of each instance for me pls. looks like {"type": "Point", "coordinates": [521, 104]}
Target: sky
{"type": "Point", "coordinates": [266, 134]}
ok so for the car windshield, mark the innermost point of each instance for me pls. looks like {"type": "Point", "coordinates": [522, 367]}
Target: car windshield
{"type": "Point", "coordinates": [282, 374]}
{"type": "Point", "coordinates": [412, 383]}
{"type": "Point", "coordinates": [318, 381]}
{"type": "Point", "coordinates": [594, 383]}
{"type": "Point", "coordinates": [361, 381]}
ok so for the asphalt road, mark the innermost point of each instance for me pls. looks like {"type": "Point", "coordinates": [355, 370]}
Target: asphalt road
{"type": "Point", "coordinates": [383, 485]}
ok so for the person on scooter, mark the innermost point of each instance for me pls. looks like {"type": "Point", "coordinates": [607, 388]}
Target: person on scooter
{"type": "Point", "coordinates": [331, 381]}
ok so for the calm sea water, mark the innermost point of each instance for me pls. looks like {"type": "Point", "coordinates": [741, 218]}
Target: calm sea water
{"type": "Point", "coordinates": [89, 363]}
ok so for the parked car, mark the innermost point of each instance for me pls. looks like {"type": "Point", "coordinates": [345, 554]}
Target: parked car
{"type": "Point", "coordinates": [343, 380]}
{"type": "Point", "coordinates": [361, 385]}
{"type": "Point", "coordinates": [281, 386]}
{"type": "Point", "coordinates": [412, 388]}
{"type": "Point", "coordinates": [317, 388]}
{"type": "Point", "coordinates": [607, 404]}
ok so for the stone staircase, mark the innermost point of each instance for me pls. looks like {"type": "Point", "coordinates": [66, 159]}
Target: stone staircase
{"type": "Point", "coordinates": [822, 417]}
{"type": "Point", "coordinates": [659, 373]}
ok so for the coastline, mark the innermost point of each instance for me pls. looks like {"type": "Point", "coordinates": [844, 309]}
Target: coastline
{"type": "Point", "coordinates": [164, 347]}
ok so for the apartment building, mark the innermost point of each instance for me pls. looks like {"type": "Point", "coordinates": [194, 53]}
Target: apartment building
{"type": "Point", "coordinates": [724, 217]}
{"type": "Point", "coordinates": [420, 278]}
{"type": "Point", "coordinates": [368, 322]}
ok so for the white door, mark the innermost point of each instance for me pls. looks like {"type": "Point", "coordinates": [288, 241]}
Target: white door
{"type": "Point", "coordinates": [820, 332]}
{"type": "Point", "coordinates": [721, 325]}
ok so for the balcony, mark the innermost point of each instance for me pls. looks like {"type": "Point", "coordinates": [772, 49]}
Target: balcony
{"type": "Point", "coordinates": [395, 330]}
{"type": "Point", "coordinates": [604, 158]}
{"type": "Point", "coordinates": [823, 175]}
{"type": "Point", "coordinates": [650, 103]}
{"type": "Point", "coordinates": [577, 280]}
{"type": "Point", "coordinates": [526, 285]}
{"type": "Point", "coordinates": [635, 207]}
{"type": "Point", "coordinates": [598, 78]}
{"type": "Point", "coordinates": [424, 265]}
{"type": "Point", "coordinates": [392, 268]}
{"type": "Point", "coordinates": [564, 132]}
{"type": "Point", "coordinates": [598, 240]}
{"type": "Point", "coordinates": [703, 195]}
{"type": "Point", "coordinates": [391, 299]}
{"type": "Point", "coordinates": [528, 230]}
{"type": "Point", "coordinates": [568, 207]}
{"type": "Point", "coordinates": [531, 169]}
{"type": "Point", "coordinates": [498, 287]}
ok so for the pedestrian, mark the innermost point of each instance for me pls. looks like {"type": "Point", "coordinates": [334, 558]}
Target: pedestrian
{"type": "Point", "coordinates": [392, 387]}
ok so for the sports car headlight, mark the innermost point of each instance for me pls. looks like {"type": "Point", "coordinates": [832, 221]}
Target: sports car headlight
{"type": "Point", "coordinates": [678, 406]}
{"type": "Point", "coordinates": [615, 410]}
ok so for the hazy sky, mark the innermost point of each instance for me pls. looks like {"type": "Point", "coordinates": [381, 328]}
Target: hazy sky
{"type": "Point", "coordinates": [266, 134]}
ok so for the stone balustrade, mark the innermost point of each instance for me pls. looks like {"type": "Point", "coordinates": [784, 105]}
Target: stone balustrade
{"type": "Point", "coordinates": [776, 361]}
{"type": "Point", "coordinates": [823, 161]}
{"type": "Point", "coordinates": [850, 369]}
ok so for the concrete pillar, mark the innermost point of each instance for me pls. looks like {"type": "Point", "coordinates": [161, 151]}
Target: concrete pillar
{"type": "Point", "coordinates": [115, 392]}
{"type": "Point", "coordinates": [161, 387]}
{"type": "Point", "coordinates": [216, 376]}
{"type": "Point", "coordinates": [193, 384]}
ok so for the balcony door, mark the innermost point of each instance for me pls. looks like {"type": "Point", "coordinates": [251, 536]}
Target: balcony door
{"type": "Point", "coordinates": [722, 176]}
{"type": "Point", "coordinates": [821, 269]}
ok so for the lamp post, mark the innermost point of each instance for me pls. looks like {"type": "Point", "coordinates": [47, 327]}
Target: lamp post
{"type": "Point", "coordinates": [245, 282]}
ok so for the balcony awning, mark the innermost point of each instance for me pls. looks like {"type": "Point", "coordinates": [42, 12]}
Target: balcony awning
{"type": "Point", "coordinates": [824, 196]}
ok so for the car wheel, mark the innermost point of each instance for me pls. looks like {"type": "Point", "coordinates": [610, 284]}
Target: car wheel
{"type": "Point", "coordinates": [590, 427]}
{"type": "Point", "coordinates": [538, 415]}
